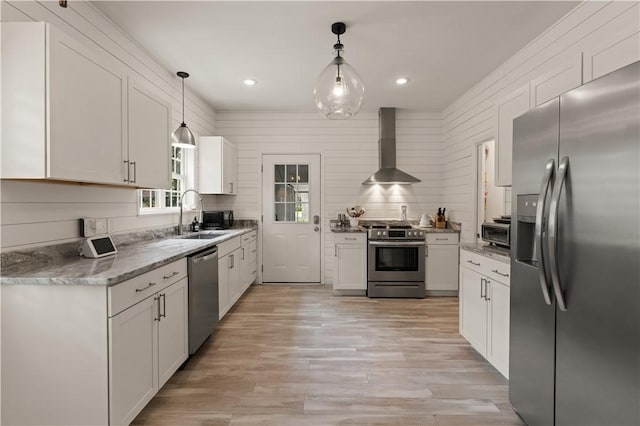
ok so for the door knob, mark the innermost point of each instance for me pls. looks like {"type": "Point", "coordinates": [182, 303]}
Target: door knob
{"type": "Point", "coordinates": [316, 228]}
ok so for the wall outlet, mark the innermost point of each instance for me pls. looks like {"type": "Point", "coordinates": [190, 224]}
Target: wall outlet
{"type": "Point", "coordinates": [101, 226]}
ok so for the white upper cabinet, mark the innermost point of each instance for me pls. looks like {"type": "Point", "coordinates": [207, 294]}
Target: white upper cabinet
{"type": "Point", "coordinates": [149, 135]}
{"type": "Point", "coordinates": [510, 107]}
{"type": "Point", "coordinates": [71, 112]}
{"type": "Point", "coordinates": [612, 52]}
{"type": "Point", "coordinates": [63, 106]}
{"type": "Point", "coordinates": [218, 170]}
{"type": "Point", "coordinates": [561, 78]}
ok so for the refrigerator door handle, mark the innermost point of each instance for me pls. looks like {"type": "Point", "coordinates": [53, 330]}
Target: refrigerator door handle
{"type": "Point", "coordinates": [539, 229]}
{"type": "Point", "coordinates": [553, 232]}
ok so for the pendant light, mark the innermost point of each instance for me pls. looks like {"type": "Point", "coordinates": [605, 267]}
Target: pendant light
{"type": "Point", "coordinates": [182, 136]}
{"type": "Point", "coordinates": [339, 91]}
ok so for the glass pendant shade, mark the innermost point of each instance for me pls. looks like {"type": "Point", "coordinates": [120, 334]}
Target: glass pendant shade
{"type": "Point", "coordinates": [182, 137]}
{"type": "Point", "coordinates": [339, 91]}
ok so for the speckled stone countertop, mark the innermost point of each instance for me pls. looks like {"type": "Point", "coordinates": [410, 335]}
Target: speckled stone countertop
{"type": "Point", "coordinates": [346, 228]}
{"type": "Point", "coordinates": [498, 253]}
{"type": "Point", "coordinates": [431, 230]}
{"type": "Point", "coordinates": [128, 262]}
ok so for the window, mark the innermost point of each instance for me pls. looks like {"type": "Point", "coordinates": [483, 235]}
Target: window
{"type": "Point", "coordinates": [162, 200]}
{"type": "Point", "coordinates": [291, 185]}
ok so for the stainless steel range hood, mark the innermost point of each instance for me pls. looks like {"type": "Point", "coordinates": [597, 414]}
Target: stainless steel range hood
{"type": "Point", "coordinates": [388, 173]}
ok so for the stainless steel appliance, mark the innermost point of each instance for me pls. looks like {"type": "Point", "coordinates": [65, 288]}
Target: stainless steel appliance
{"type": "Point", "coordinates": [497, 233]}
{"type": "Point", "coordinates": [203, 296]}
{"type": "Point", "coordinates": [396, 266]}
{"type": "Point", "coordinates": [575, 287]}
{"type": "Point", "coordinates": [222, 219]}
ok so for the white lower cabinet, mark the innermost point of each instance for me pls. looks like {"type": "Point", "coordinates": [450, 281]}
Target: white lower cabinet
{"type": "Point", "coordinates": [441, 277]}
{"type": "Point", "coordinates": [237, 269]}
{"type": "Point", "coordinates": [484, 307]}
{"type": "Point", "coordinates": [147, 344]}
{"type": "Point", "coordinates": [350, 261]}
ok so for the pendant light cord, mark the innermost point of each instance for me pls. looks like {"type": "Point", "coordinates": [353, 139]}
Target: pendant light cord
{"type": "Point", "coordinates": [182, 100]}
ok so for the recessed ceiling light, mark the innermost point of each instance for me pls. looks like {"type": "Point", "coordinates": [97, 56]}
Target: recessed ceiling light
{"type": "Point", "coordinates": [402, 81]}
{"type": "Point", "coordinates": [250, 82]}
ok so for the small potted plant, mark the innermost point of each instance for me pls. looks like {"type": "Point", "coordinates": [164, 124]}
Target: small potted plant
{"type": "Point", "coordinates": [354, 213]}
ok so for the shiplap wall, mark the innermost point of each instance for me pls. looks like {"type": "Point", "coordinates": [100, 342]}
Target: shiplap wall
{"type": "Point", "coordinates": [36, 213]}
{"type": "Point", "coordinates": [349, 155]}
{"type": "Point", "coordinates": [470, 119]}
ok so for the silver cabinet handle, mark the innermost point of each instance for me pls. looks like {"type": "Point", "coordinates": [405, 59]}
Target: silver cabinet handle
{"type": "Point", "coordinates": [396, 244]}
{"type": "Point", "coordinates": [133, 163]}
{"type": "Point", "coordinates": [164, 305]}
{"type": "Point", "coordinates": [482, 281]}
{"type": "Point", "coordinates": [242, 253]}
{"type": "Point", "coordinates": [426, 251]}
{"type": "Point", "coordinates": [139, 290]}
{"type": "Point", "coordinates": [553, 232]}
{"type": "Point", "coordinates": [335, 250]}
{"type": "Point", "coordinates": [543, 273]}
{"type": "Point", "coordinates": [157, 299]}
{"type": "Point", "coordinates": [232, 261]}
{"type": "Point", "coordinates": [499, 273]}
{"type": "Point", "coordinates": [487, 287]}
{"type": "Point", "coordinates": [350, 238]}
{"type": "Point", "coordinates": [126, 179]}
{"type": "Point", "coordinates": [166, 277]}
{"type": "Point", "coordinates": [442, 239]}
{"type": "Point", "coordinates": [473, 263]}
{"type": "Point", "coordinates": [231, 187]}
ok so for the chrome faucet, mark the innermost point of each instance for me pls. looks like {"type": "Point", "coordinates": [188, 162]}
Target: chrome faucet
{"type": "Point", "coordinates": [181, 202]}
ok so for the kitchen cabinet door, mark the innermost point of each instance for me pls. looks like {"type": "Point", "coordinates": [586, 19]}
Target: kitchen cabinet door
{"type": "Point", "coordinates": [149, 153]}
{"type": "Point", "coordinates": [218, 171]}
{"type": "Point", "coordinates": [510, 107]}
{"type": "Point", "coordinates": [350, 262]}
{"type": "Point", "coordinates": [66, 105]}
{"type": "Point", "coordinates": [248, 255]}
{"type": "Point", "coordinates": [561, 78]}
{"type": "Point", "coordinates": [223, 285]}
{"type": "Point", "coordinates": [133, 360]}
{"type": "Point", "coordinates": [473, 309]}
{"type": "Point", "coordinates": [498, 345]}
{"type": "Point", "coordinates": [442, 267]}
{"type": "Point", "coordinates": [614, 51]}
{"type": "Point", "coordinates": [173, 331]}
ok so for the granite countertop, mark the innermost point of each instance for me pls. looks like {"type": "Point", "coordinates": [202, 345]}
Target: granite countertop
{"type": "Point", "coordinates": [128, 262]}
{"type": "Point", "coordinates": [346, 228]}
{"type": "Point", "coordinates": [430, 230]}
{"type": "Point", "coordinates": [498, 253]}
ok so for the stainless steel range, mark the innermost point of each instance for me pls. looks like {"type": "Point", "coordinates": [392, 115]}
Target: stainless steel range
{"type": "Point", "coordinates": [396, 265]}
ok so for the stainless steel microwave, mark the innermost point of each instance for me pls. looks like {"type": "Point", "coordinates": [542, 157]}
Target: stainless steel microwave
{"type": "Point", "coordinates": [497, 233]}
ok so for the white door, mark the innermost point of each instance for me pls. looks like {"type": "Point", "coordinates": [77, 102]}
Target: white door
{"type": "Point", "coordinates": [291, 218]}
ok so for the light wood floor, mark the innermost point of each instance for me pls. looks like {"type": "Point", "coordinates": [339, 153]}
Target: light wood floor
{"type": "Point", "coordinates": [297, 355]}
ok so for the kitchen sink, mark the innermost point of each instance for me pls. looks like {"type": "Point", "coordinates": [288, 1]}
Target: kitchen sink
{"type": "Point", "coordinates": [203, 236]}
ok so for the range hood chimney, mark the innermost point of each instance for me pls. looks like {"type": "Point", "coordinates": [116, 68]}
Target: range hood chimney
{"type": "Point", "coordinates": [388, 173]}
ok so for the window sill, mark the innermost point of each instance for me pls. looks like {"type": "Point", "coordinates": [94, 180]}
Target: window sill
{"type": "Point", "coordinates": [171, 210]}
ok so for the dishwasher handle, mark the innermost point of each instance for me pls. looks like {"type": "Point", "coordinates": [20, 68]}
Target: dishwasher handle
{"type": "Point", "coordinates": [204, 256]}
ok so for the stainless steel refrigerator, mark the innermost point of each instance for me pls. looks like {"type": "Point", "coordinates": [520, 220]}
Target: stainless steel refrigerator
{"type": "Point", "coordinates": [575, 255]}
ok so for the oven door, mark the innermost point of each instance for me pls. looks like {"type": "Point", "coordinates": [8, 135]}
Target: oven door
{"type": "Point", "coordinates": [401, 261]}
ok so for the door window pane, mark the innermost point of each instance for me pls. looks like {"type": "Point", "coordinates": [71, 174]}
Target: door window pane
{"type": "Point", "coordinates": [291, 193]}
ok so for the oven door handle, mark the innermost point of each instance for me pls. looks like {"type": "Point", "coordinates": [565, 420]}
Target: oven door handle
{"type": "Point", "coordinates": [397, 243]}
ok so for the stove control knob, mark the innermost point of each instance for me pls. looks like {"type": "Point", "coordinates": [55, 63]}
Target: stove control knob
{"type": "Point", "coordinates": [378, 233]}
{"type": "Point", "coordinates": [421, 233]}
{"type": "Point", "coordinates": [384, 233]}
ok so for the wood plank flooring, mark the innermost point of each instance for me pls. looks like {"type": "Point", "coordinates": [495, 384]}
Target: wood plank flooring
{"type": "Point", "coordinates": [297, 355]}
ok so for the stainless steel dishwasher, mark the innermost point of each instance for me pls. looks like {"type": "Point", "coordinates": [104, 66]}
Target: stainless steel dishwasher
{"type": "Point", "coordinates": [203, 296]}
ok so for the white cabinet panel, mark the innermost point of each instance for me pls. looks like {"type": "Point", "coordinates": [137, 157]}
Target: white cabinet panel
{"type": "Point", "coordinates": [229, 285]}
{"type": "Point", "coordinates": [562, 77]}
{"type": "Point", "coordinates": [133, 360]}
{"type": "Point", "coordinates": [510, 107]}
{"type": "Point", "coordinates": [218, 169]}
{"type": "Point", "coordinates": [350, 261]}
{"type": "Point", "coordinates": [442, 263]}
{"type": "Point", "coordinates": [149, 155]}
{"type": "Point", "coordinates": [498, 350]}
{"type": "Point", "coordinates": [473, 310]}
{"type": "Point", "coordinates": [173, 330]}
{"type": "Point", "coordinates": [611, 53]}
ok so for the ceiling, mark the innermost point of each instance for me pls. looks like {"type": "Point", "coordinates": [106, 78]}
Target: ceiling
{"type": "Point", "coordinates": [444, 48]}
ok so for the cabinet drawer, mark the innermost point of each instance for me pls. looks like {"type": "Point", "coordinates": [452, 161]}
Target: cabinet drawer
{"type": "Point", "coordinates": [130, 292]}
{"type": "Point", "coordinates": [247, 238]}
{"type": "Point", "coordinates": [472, 261]}
{"type": "Point", "coordinates": [228, 246]}
{"type": "Point", "coordinates": [349, 238]}
{"type": "Point", "coordinates": [433, 239]}
{"type": "Point", "coordinates": [497, 271]}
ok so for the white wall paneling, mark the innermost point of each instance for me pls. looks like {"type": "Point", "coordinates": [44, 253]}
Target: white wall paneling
{"type": "Point", "coordinates": [35, 213]}
{"type": "Point", "coordinates": [469, 119]}
{"type": "Point", "coordinates": [349, 151]}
